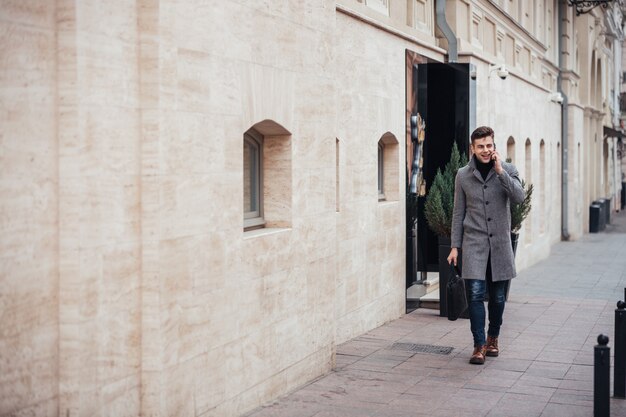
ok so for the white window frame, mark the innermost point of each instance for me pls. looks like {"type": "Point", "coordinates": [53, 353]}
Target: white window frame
{"type": "Point", "coordinates": [254, 219]}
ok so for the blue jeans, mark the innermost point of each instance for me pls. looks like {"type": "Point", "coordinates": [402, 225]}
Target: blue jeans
{"type": "Point", "coordinates": [476, 299]}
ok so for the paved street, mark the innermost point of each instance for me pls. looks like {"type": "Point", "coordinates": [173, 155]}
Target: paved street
{"type": "Point", "coordinates": [555, 312]}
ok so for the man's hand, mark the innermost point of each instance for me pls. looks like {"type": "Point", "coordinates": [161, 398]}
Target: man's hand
{"type": "Point", "coordinates": [454, 253]}
{"type": "Point", "coordinates": [497, 162]}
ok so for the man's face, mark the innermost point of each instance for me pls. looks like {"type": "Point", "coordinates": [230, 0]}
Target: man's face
{"type": "Point", "coordinates": [483, 148]}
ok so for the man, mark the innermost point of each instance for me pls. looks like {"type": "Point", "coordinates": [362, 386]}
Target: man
{"type": "Point", "coordinates": [481, 227]}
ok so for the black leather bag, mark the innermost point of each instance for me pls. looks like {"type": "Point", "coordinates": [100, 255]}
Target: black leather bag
{"type": "Point", "coordinates": [455, 294]}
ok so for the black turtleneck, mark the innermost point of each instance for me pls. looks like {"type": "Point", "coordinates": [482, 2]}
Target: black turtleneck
{"type": "Point", "coordinates": [483, 168]}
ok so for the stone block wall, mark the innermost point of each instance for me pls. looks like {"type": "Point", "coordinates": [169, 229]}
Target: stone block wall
{"type": "Point", "coordinates": [29, 335]}
{"type": "Point", "coordinates": [129, 286]}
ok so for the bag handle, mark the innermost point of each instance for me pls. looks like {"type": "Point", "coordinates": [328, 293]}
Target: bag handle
{"type": "Point", "coordinates": [456, 269]}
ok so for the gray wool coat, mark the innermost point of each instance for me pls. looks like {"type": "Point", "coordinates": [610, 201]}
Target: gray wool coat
{"type": "Point", "coordinates": [481, 220]}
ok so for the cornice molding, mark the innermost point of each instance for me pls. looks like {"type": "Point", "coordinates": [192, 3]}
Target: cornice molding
{"type": "Point", "coordinates": [466, 56]}
{"type": "Point", "coordinates": [594, 113]}
{"type": "Point", "coordinates": [389, 29]}
{"type": "Point", "coordinates": [548, 63]}
{"type": "Point", "coordinates": [570, 75]}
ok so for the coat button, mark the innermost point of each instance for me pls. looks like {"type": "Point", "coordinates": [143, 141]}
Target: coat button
{"type": "Point", "coordinates": [489, 219]}
{"type": "Point", "coordinates": [484, 186]}
{"type": "Point", "coordinates": [487, 202]}
{"type": "Point", "coordinates": [490, 234]}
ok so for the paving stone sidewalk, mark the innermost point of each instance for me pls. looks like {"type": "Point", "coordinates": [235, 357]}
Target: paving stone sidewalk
{"type": "Point", "coordinates": [555, 312]}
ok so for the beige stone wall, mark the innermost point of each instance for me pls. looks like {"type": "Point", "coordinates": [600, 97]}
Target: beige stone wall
{"type": "Point", "coordinates": [29, 264]}
{"type": "Point", "coordinates": [370, 102]}
{"type": "Point", "coordinates": [99, 221]}
{"type": "Point", "coordinates": [370, 108]}
{"type": "Point", "coordinates": [154, 299]}
{"type": "Point", "coordinates": [244, 316]}
{"type": "Point", "coordinates": [70, 146]}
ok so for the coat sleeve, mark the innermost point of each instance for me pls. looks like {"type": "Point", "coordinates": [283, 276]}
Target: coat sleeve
{"type": "Point", "coordinates": [512, 184]}
{"type": "Point", "coordinates": [458, 214]}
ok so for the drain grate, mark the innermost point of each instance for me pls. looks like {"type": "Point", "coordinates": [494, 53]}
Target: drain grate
{"type": "Point", "coordinates": [414, 347]}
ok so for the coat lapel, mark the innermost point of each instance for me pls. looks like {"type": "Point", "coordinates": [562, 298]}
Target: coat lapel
{"type": "Point", "coordinates": [475, 171]}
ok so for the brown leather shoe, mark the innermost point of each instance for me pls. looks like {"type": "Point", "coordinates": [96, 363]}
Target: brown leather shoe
{"type": "Point", "coordinates": [492, 346]}
{"type": "Point", "coordinates": [478, 357]}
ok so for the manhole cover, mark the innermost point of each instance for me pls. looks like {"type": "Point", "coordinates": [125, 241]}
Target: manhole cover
{"type": "Point", "coordinates": [414, 347]}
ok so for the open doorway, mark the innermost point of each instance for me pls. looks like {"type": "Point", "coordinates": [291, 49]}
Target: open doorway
{"type": "Point", "coordinates": [441, 98]}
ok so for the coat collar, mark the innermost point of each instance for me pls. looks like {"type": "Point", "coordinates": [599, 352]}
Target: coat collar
{"type": "Point", "coordinates": [476, 172]}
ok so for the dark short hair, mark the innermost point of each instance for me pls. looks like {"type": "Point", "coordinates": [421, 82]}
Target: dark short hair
{"type": "Point", "coordinates": [482, 132]}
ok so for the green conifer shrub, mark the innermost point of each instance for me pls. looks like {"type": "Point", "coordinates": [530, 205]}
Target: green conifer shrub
{"type": "Point", "coordinates": [440, 197]}
{"type": "Point", "coordinates": [519, 212]}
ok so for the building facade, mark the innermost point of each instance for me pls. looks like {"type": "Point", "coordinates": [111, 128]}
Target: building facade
{"type": "Point", "coordinates": [201, 200]}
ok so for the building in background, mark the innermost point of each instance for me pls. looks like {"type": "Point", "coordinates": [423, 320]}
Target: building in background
{"type": "Point", "coordinates": [200, 200]}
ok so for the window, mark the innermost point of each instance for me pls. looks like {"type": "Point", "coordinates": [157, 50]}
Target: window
{"type": "Point", "coordinates": [542, 186]}
{"type": "Point", "coordinates": [388, 168]}
{"type": "Point", "coordinates": [580, 163]}
{"type": "Point", "coordinates": [267, 176]}
{"type": "Point", "coordinates": [381, 171]}
{"type": "Point", "coordinates": [558, 176]}
{"type": "Point", "coordinates": [558, 163]}
{"type": "Point", "coordinates": [423, 16]}
{"type": "Point", "coordinates": [337, 174]}
{"type": "Point", "coordinates": [529, 180]}
{"type": "Point", "coordinates": [510, 149]}
{"type": "Point", "coordinates": [513, 9]}
{"type": "Point", "coordinates": [252, 178]}
{"type": "Point", "coordinates": [540, 21]}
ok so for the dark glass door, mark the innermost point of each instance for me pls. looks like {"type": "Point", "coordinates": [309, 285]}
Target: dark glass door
{"type": "Point", "coordinates": [446, 101]}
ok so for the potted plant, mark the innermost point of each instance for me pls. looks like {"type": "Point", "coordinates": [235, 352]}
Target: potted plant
{"type": "Point", "coordinates": [519, 212]}
{"type": "Point", "coordinates": [440, 198]}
